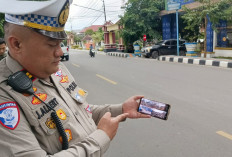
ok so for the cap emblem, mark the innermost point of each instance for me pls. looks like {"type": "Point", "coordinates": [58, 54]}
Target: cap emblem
{"type": "Point", "coordinates": [63, 17]}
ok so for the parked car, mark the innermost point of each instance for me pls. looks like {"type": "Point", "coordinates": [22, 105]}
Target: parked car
{"type": "Point", "coordinates": [146, 50]}
{"type": "Point", "coordinates": [166, 47]}
{"type": "Point", "coordinates": [65, 50]}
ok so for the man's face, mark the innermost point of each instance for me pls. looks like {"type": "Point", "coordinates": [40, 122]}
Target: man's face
{"type": "Point", "coordinates": [2, 49]}
{"type": "Point", "coordinates": [40, 55]}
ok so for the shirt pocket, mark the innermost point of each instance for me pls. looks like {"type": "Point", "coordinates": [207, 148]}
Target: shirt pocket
{"type": "Point", "coordinates": [45, 120]}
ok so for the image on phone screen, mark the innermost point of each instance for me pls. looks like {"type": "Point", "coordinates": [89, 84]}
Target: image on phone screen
{"type": "Point", "coordinates": [154, 108]}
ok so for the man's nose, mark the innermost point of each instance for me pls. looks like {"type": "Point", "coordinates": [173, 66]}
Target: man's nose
{"type": "Point", "coordinates": [59, 52]}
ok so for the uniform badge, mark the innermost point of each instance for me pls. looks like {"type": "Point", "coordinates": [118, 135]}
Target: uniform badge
{"type": "Point", "coordinates": [9, 115]}
{"type": "Point", "coordinates": [78, 97]}
{"type": "Point", "coordinates": [64, 79]}
{"type": "Point", "coordinates": [61, 114]}
{"type": "Point", "coordinates": [59, 73]}
{"type": "Point", "coordinates": [36, 101]}
{"type": "Point", "coordinates": [81, 92]}
{"type": "Point", "coordinates": [34, 88]}
{"type": "Point", "coordinates": [68, 134]}
{"type": "Point", "coordinates": [50, 123]}
{"type": "Point", "coordinates": [29, 75]}
{"type": "Point", "coordinates": [88, 109]}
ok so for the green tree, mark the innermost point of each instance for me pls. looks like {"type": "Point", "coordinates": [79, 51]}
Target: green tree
{"type": "Point", "coordinates": [195, 18]}
{"type": "Point", "coordinates": [190, 32]}
{"type": "Point", "coordinates": [142, 17]}
{"type": "Point", "coordinates": [98, 36]}
{"type": "Point", "coordinates": [89, 32]}
{"type": "Point", "coordinates": [2, 19]}
{"type": "Point", "coordinates": [78, 38]}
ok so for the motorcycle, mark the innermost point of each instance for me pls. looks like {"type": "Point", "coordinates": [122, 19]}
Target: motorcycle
{"type": "Point", "coordinates": [92, 53]}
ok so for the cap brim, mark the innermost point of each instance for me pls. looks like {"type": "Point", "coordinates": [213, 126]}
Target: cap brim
{"type": "Point", "coordinates": [55, 35]}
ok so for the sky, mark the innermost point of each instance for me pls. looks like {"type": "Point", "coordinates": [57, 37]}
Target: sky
{"type": "Point", "coordinates": [84, 13]}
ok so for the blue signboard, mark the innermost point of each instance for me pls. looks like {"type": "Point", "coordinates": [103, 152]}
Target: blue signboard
{"type": "Point", "coordinates": [173, 5]}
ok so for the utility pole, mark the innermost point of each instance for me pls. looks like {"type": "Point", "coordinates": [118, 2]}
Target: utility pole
{"type": "Point", "coordinates": [123, 4]}
{"type": "Point", "coordinates": [104, 9]}
{"type": "Point", "coordinates": [71, 23]}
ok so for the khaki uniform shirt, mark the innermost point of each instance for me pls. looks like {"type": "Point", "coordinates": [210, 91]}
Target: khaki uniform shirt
{"type": "Point", "coordinates": [3, 56]}
{"type": "Point", "coordinates": [26, 128]}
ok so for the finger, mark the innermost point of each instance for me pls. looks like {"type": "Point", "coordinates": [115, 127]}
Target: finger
{"type": "Point", "coordinates": [121, 117]}
{"type": "Point", "coordinates": [144, 116]}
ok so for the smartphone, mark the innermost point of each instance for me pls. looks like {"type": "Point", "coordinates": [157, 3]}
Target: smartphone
{"type": "Point", "coordinates": [154, 108]}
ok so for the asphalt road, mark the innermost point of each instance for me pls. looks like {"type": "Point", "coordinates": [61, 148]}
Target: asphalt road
{"type": "Point", "coordinates": [199, 124]}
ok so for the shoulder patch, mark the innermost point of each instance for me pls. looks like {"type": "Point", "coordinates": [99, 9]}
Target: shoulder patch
{"type": "Point", "coordinates": [9, 115]}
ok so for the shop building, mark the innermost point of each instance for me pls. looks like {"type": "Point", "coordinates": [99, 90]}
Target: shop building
{"type": "Point", "coordinates": [219, 43]}
{"type": "Point", "coordinates": [112, 40]}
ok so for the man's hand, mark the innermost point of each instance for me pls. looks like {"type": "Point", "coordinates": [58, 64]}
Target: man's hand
{"type": "Point", "coordinates": [110, 124]}
{"type": "Point", "coordinates": [131, 106]}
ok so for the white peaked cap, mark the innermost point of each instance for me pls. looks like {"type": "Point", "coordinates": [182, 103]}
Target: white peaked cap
{"type": "Point", "coordinates": [47, 17]}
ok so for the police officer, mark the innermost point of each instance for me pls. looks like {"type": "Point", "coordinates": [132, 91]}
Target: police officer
{"type": "Point", "coordinates": [2, 49]}
{"type": "Point", "coordinates": [33, 33]}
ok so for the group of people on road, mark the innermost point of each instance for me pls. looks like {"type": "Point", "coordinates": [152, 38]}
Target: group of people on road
{"type": "Point", "coordinates": [48, 115]}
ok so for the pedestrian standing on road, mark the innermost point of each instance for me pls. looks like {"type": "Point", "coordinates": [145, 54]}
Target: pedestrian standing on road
{"type": "Point", "coordinates": [43, 111]}
{"type": "Point", "coordinates": [2, 49]}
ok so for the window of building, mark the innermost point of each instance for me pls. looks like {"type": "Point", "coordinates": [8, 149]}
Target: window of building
{"type": "Point", "coordinates": [224, 35]}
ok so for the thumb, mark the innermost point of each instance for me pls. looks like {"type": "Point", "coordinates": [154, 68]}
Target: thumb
{"type": "Point", "coordinates": [107, 115]}
{"type": "Point", "coordinates": [137, 97]}
{"type": "Point", "coordinates": [122, 117]}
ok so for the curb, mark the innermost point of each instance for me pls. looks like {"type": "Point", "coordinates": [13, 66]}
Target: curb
{"type": "Point", "coordinates": [197, 61]}
{"type": "Point", "coordinates": [181, 59]}
{"type": "Point", "coordinates": [117, 54]}
{"type": "Point", "coordinates": [125, 55]}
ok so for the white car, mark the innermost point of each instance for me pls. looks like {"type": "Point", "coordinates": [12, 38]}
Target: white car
{"type": "Point", "coordinates": [146, 50]}
{"type": "Point", "coordinates": [65, 50]}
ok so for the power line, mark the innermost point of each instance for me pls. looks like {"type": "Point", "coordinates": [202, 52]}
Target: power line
{"type": "Point", "coordinates": [87, 8]}
{"type": "Point", "coordinates": [91, 11]}
{"type": "Point", "coordinates": [96, 19]}
{"type": "Point", "coordinates": [92, 5]}
{"type": "Point", "coordinates": [83, 10]}
{"type": "Point", "coordinates": [112, 3]}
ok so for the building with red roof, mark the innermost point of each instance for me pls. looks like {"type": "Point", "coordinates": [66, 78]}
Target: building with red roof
{"type": "Point", "coordinates": [87, 40]}
{"type": "Point", "coordinates": [112, 40]}
{"type": "Point", "coordinates": [93, 27]}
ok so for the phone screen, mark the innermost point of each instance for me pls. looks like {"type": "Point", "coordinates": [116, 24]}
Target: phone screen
{"type": "Point", "coordinates": [154, 108]}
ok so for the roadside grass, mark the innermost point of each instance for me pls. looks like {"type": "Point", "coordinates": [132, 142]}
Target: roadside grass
{"type": "Point", "coordinates": [223, 57]}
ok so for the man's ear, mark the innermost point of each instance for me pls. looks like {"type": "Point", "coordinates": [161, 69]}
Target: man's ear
{"type": "Point", "coordinates": [15, 44]}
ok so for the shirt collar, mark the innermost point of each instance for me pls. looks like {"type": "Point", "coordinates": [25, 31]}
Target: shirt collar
{"type": "Point", "coordinates": [12, 64]}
